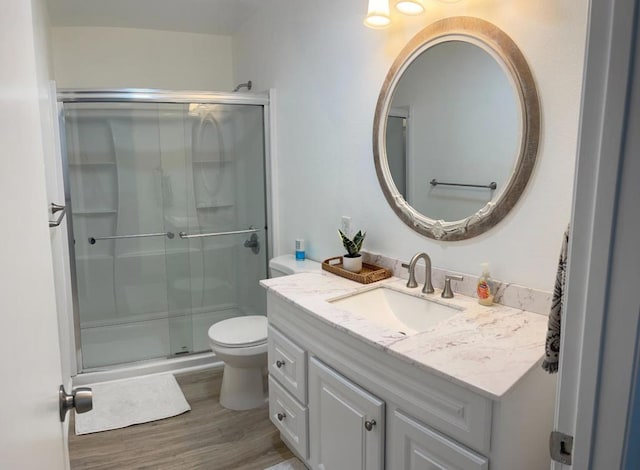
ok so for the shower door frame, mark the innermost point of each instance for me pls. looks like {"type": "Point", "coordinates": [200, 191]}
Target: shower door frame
{"type": "Point", "coordinates": [148, 95]}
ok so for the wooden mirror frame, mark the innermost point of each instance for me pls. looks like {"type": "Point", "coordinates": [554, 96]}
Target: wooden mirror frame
{"type": "Point", "coordinates": [495, 41]}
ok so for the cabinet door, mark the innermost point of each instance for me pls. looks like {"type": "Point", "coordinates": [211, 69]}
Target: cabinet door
{"type": "Point", "coordinates": [346, 423]}
{"type": "Point", "coordinates": [415, 446]}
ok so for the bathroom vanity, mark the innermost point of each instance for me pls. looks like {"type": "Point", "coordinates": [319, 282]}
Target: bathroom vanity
{"type": "Point", "coordinates": [382, 376]}
{"type": "Point", "coordinates": [349, 390]}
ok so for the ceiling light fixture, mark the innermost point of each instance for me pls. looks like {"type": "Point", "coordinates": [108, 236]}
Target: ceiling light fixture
{"type": "Point", "coordinates": [410, 7]}
{"type": "Point", "coordinates": [378, 14]}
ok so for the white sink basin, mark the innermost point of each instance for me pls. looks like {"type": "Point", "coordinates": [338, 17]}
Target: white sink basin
{"type": "Point", "coordinates": [396, 310]}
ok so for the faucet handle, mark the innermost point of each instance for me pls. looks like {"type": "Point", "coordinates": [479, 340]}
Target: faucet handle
{"type": "Point", "coordinates": [447, 293]}
{"type": "Point", "coordinates": [411, 283]}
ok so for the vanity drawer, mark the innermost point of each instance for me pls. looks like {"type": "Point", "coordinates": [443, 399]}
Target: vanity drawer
{"type": "Point", "coordinates": [289, 417]}
{"type": "Point", "coordinates": [288, 364]}
{"type": "Point", "coordinates": [413, 445]}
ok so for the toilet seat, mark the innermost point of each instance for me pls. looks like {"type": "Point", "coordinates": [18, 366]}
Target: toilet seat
{"type": "Point", "coordinates": [239, 332]}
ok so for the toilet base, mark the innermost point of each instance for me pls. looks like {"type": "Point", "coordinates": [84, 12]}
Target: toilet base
{"type": "Point", "coordinates": [242, 388]}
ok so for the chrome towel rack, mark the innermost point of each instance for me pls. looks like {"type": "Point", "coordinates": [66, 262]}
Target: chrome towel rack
{"type": "Point", "coordinates": [169, 235]}
{"type": "Point", "coordinates": [185, 235]}
{"type": "Point", "coordinates": [492, 185]}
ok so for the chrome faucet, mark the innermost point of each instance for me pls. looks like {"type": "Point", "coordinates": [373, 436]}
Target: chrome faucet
{"type": "Point", "coordinates": [428, 287]}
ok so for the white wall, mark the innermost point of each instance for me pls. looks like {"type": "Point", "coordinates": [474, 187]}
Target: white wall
{"type": "Point", "coordinates": [328, 68]}
{"type": "Point", "coordinates": [92, 57]}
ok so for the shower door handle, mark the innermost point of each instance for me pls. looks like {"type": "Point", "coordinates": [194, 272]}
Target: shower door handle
{"type": "Point", "coordinates": [80, 398]}
{"type": "Point", "coordinates": [169, 235]}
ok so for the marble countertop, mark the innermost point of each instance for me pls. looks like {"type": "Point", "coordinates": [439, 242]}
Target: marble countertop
{"type": "Point", "coordinates": [485, 349]}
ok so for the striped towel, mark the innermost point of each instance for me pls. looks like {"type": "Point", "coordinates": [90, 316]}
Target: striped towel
{"type": "Point", "coordinates": [552, 344]}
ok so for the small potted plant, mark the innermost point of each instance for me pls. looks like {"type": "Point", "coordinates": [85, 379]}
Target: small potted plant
{"type": "Point", "coordinates": [352, 261]}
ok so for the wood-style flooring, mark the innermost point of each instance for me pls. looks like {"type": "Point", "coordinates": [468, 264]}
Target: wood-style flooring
{"type": "Point", "coordinates": [207, 437]}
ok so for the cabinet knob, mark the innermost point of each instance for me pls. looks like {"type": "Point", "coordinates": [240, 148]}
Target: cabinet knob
{"type": "Point", "coordinates": [279, 363]}
{"type": "Point", "coordinates": [369, 424]}
{"type": "Point", "coordinates": [281, 416]}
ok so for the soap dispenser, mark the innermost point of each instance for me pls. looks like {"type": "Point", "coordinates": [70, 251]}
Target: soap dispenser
{"type": "Point", "coordinates": [485, 287]}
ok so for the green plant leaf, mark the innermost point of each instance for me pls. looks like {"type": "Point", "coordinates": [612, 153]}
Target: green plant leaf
{"type": "Point", "coordinates": [352, 246]}
{"type": "Point", "coordinates": [358, 240]}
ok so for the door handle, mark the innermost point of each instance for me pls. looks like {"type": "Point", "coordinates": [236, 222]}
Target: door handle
{"type": "Point", "coordinates": [56, 208]}
{"type": "Point", "coordinates": [81, 398]}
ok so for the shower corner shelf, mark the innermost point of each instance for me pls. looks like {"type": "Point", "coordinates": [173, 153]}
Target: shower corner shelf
{"type": "Point", "coordinates": [95, 212]}
{"type": "Point", "coordinates": [92, 164]}
{"type": "Point", "coordinates": [213, 206]}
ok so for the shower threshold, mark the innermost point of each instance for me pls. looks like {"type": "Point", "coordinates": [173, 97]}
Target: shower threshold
{"type": "Point", "coordinates": [176, 364]}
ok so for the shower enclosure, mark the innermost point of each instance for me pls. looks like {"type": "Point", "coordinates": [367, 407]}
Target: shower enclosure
{"type": "Point", "coordinates": [168, 218]}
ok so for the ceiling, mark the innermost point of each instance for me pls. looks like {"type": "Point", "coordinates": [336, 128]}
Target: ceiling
{"type": "Point", "coordinates": [195, 16]}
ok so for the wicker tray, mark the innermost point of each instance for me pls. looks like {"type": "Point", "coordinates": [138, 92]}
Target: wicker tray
{"type": "Point", "coordinates": [370, 272]}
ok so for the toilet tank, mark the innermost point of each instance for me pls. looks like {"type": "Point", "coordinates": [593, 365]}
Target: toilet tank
{"type": "Point", "coordinates": [288, 264]}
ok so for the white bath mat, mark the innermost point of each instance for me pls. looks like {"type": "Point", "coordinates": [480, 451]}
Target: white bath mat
{"type": "Point", "coordinates": [132, 401]}
{"type": "Point", "coordinates": [291, 464]}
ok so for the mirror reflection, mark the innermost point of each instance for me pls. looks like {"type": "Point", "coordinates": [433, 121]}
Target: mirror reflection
{"type": "Point", "coordinates": [454, 130]}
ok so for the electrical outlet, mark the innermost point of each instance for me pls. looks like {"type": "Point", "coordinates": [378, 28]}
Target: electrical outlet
{"type": "Point", "coordinates": [345, 225]}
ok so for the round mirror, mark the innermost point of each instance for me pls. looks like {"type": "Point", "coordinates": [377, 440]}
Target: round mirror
{"type": "Point", "coordinates": [456, 129]}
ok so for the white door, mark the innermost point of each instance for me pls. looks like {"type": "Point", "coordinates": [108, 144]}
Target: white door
{"type": "Point", "coordinates": [31, 434]}
{"type": "Point", "coordinates": [346, 423]}
{"type": "Point", "coordinates": [600, 323]}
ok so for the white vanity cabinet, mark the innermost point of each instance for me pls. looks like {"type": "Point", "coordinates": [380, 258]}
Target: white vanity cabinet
{"type": "Point", "coordinates": [415, 446]}
{"type": "Point", "coordinates": [287, 365]}
{"type": "Point", "coordinates": [342, 403]}
{"type": "Point", "coordinates": [346, 423]}
{"type": "Point", "coordinates": [290, 417]}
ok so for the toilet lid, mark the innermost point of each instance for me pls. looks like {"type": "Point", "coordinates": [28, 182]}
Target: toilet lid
{"type": "Point", "coordinates": [239, 331]}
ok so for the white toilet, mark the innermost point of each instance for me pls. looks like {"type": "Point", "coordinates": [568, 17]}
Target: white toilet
{"type": "Point", "coordinates": [288, 264]}
{"type": "Point", "coordinates": [241, 342]}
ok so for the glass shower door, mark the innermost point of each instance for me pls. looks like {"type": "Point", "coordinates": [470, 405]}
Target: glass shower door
{"type": "Point", "coordinates": [117, 180]}
{"type": "Point", "coordinates": [153, 186]}
{"type": "Point", "coordinates": [226, 232]}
